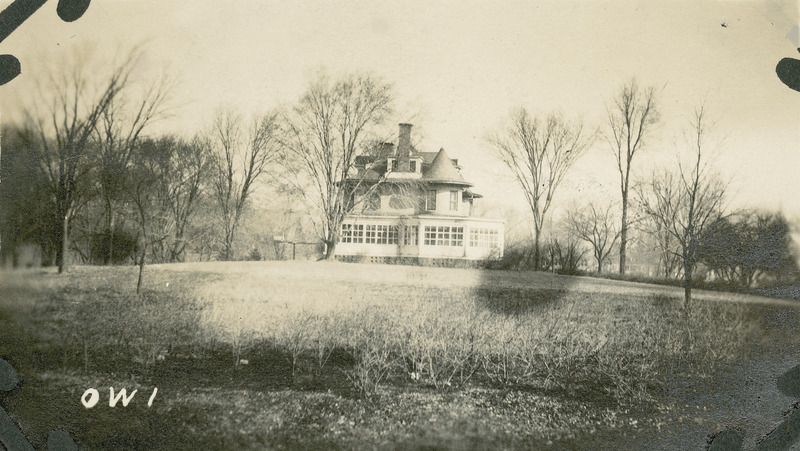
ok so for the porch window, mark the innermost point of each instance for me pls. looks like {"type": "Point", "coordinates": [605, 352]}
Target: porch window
{"type": "Point", "coordinates": [391, 236]}
{"type": "Point", "coordinates": [385, 234]}
{"type": "Point", "coordinates": [410, 235]}
{"type": "Point", "coordinates": [371, 234]}
{"type": "Point", "coordinates": [483, 237]}
{"type": "Point", "coordinates": [444, 236]}
{"type": "Point", "coordinates": [352, 233]}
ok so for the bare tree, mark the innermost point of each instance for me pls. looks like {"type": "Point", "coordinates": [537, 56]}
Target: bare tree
{"type": "Point", "coordinates": [690, 202]}
{"type": "Point", "coordinates": [150, 210]}
{"type": "Point", "coordinates": [118, 131]}
{"type": "Point", "coordinates": [630, 118]}
{"type": "Point", "coordinates": [240, 155]}
{"type": "Point", "coordinates": [333, 124]}
{"type": "Point", "coordinates": [657, 200]}
{"type": "Point", "coordinates": [539, 153]}
{"type": "Point", "coordinates": [62, 119]}
{"type": "Point", "coordinates": [597, 226]}
{"type": "Point", "coordinates": [179, 169]}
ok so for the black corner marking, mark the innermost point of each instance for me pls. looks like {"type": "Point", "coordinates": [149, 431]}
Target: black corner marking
{"type": "Point", "coordinates": [8, 377]}
{"type": "Point", "coordinates": [730, 440]}
{"type": "Point", "coordinates": [10, 435]}
{"type": "Point", "coordinates": [18, 12]}
{"type": "Point", "coordinates": [9, 68]}
{"type": "Point", "coordinates": [788, 70]}
{"type": "Point", "coordinates": [71, 10]}
{"type": "Point", "coordinates": [782, 437]}
{"type": "Point", "coordinates": [59, 440]}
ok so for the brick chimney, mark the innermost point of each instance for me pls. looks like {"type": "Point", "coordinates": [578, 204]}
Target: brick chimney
{"type": "Point", "coordinates": [404, 148]}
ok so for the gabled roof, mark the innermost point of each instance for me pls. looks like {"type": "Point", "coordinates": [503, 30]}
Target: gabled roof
{"type": "Point", "coordinates": [443, 170]}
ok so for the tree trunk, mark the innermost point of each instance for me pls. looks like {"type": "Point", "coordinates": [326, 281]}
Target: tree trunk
{"type": "Point", "coordinates": [687, 285]}
{"type": "Point", "coordinates": [64, 245]}
{"type": "Point", "coordinates": [109, 257]}
{"type": "Point", "coordinates": [330, 249]}
{"type": "Point", "coordinates": [141, 271]}
{"type": "Point", "coordinates": [623, 236]}
{"type": "Point", "coordinates": [229, 237]}
{"type": "Point", "coordinates": [599, 265]}
{"type": "Point", "coordinates": [537, 253]}
{"type": "Point", "coordinates": [331, 240]}
{"type": "Point", "coordinates": [111, 241]}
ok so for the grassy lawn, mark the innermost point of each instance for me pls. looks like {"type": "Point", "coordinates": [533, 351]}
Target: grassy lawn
{"type": "Point", "coordinates": [330, 355]}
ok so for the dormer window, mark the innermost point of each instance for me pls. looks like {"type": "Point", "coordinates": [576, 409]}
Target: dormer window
{"type": "Point", "coordinates": [413, 165]}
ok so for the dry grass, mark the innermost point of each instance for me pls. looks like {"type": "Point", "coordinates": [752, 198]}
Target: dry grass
{"type": "Point", "coordinates": [350, 341]}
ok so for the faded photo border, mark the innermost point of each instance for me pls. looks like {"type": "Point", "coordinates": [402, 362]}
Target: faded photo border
{"type": "Point", "coordinates": [467, 104]}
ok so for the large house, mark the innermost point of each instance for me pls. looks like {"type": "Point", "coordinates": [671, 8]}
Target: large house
{"type": "Point", "coordinates": [415, 206]}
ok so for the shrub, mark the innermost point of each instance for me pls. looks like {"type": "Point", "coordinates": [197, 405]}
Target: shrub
{"type": "Point", "coordinates": [254, 255]}
{"type": "Point", "coordinates": [370, 339]}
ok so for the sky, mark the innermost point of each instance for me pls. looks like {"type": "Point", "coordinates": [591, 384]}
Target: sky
{"type": "Point", "coordinates": [460, 67]}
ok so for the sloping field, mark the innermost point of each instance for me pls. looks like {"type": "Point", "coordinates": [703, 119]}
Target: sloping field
{"type": "Point", "coordinates": [332, 355]}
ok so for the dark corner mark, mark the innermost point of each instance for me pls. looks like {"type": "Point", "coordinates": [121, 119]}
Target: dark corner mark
{"type": "Point", "coordinates": [19, 11]}
{"type": "Point", "coordinates": [10, 435]}
{"type": "Point", "coordinates": [788, 69]}
{"type": "Point", "coordinates": [783, 436]}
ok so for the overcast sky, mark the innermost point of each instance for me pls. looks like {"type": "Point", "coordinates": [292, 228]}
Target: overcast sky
{"type": "Point", "coordinates": [460, 67]}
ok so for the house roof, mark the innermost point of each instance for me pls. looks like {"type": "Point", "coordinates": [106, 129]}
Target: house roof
{"type": "Point", "coordinates": [443, 170]}
{"type": "Point", "coordinates": [437, 167]}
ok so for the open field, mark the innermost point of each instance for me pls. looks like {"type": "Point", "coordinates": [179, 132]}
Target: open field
{"type": "Point", "coordinates": [329, 355]}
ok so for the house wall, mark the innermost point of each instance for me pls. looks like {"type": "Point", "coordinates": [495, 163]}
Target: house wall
{"type": "Point", "coordinates": [417, 199]}
{"type": "Point", "coordinates": [439, 229]}
{"type": "Point", "coordinates": [443, 201]}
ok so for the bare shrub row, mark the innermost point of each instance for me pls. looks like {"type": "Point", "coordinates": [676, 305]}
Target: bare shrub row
{"type": "Point", "coordinates": [497, 337]}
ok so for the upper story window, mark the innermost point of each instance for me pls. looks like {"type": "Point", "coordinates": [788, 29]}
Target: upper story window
{"type": "Point", "coordinates": [413, 165]}
{"type": "Point", "coordinates": [374, 202]}
{"type": "Point", "coordinates": [453, 200]}
{"type": "Point", "coordinates": [393, 164]}
{"type": "Point", "coordinates": [430, 200]}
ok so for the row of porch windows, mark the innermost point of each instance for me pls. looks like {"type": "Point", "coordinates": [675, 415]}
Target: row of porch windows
{"type": "Point", "coordinates": [434, 235]}
{"type": "Point", "coordinates": [444, 236]}
{"type": "Point", "coordinates": [379, 234]}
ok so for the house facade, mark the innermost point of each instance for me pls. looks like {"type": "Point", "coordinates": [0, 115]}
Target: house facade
{"type": "Point", "coordinates": [415, 206]}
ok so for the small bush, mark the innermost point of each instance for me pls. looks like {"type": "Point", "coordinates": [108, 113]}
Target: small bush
{"type": "Point", "coordinates": [254, 255]}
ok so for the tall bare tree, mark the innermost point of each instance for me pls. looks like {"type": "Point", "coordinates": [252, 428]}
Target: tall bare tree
{"type": "Point", "coordinates": [691, 201]}
{"type": "Point", "coordinates": [63, 116]}
{"type": "Point", "coordinates": [118, 131]}
{"type": "Point", "coordinates": [240, 155]}
{"type": "Point", "coordinates": [539, 153]}
{"type": "Point", "coordinates": [333, 123]}
{"type": "Point", "coordinates": [597, 226]}
{"type": "Point", "coordinates": [631, 117]}
{"type": "Point", "coordinates": [179, 170]}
